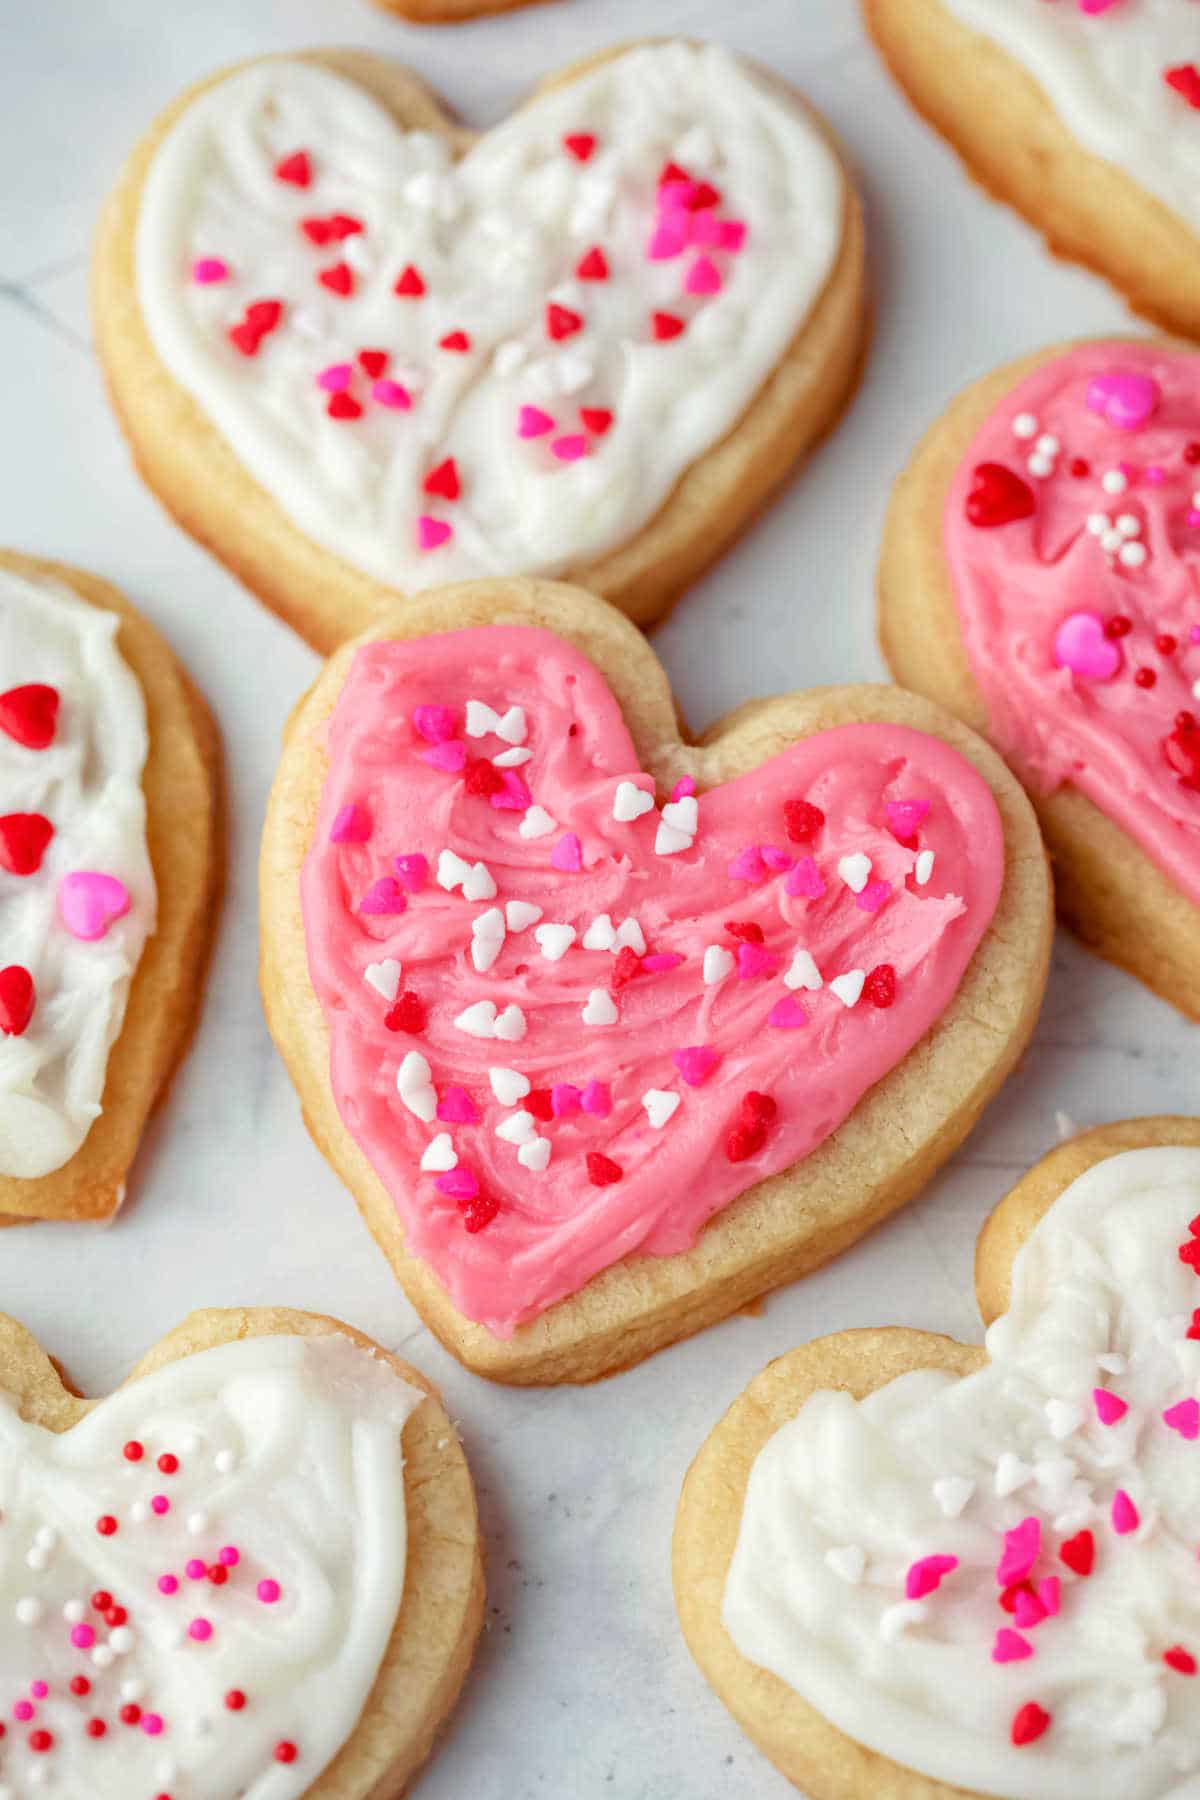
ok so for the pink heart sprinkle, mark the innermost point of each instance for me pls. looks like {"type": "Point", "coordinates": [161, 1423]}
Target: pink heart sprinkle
{"type": "Point", "coordinates": [659, 960]}
{"type": "Point", "coordinates": [1081, 646]}
{"type": "Point", "coordinates": [776, 860]}
{"type": "Point", "coordinates": [352, 825]}
{"type": "Point", "coordinates": [389, 393]}
{"type": "Point", "coordinates": [1184, 1418]}
{"type": "Point", "coordinates": [1028, 1610]}
{"type": "Point", "coordinates": [564, 1099]}
{"type": "Point", "coordinates": [805, 881]}
{"type": "Point", "coordinates": [1125, 399]}
{"type": "Point", "coordinates": [703, 277]}
{"type": "Point", "coordinates": [755, 959]}
{"type": "Point", "coordinates": [696, 1063]}
{"type": "Point", "coordinates": [383, 896]}
{"type": "Point", "coordinates": [570, 449]}
{"type": "Point", "coordinates": [532, 422]}
{"type": "Point", "coordinates": [336, 378]}
{"type": "Point", "coordinates": [207, 269]}
{"type": "Point", "coordinates": [1021, 1548]}
{"type": "Point", "coordinates": [926, 1574]}
{"type": "Point", "coordinates": [460, 1184]}
{"type": "Point", "coordinates": [1049, 1592]}
{"type": "Point", "coordinates": [1125, 1516]}
{"type": "Point", "coordinates": [1109, 1406]}
{"type": "Point", "coordinates": [675, 196]}
{"type": "Point", "coordinates": [1010, 1646]}
{"type": "Point", "coordinates": [733, 235]}
{"type": "Point", "coordinates": [567, 854]}
{"type": "Point", "coordinates": [873, 896]}
{"type": "Point", "coordinates": [1095, 7]}
{"type": "Point", "coordinates": [596, 1100]}
{"type": "Point", "coordinates": [513, 795]}
{"type": "Point", "coordinates": [683, 788]}
{"type": "Point", "coordinates": [668, 241]}
{"type": "Point", "coordinates": [432, 532]}
{"type": "Point", "coordinates": [451, 758]}
{"type": "Point", "coordinates": [456, 1107]}
{"type": "Point", "coordinates": [787, 1014]}
{"type": "Point", "coordinates": [435, 723]}
{"type": "Point", "coordinates": [411, 871]}
{"type": "Point", "coordinates": [905, 817]}
{"type": "Point", "coordinates": [89, 903]}
{"type": "Point", "coordinates": [748, 865]}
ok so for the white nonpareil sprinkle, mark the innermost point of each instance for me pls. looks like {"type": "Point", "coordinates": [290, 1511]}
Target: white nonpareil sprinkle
{"type": "Point", "coordinates": [660, 1105]}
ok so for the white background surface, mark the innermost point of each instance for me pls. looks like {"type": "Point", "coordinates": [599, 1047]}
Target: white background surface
{"type": "Point", "coordinates": [582, 1688]}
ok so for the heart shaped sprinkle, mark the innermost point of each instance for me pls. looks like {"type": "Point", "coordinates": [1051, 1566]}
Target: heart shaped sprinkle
{"type": "Point", "coordinates": [23, 841]}
{"type": "Point", "coordinates": [653, 1012]}
{"type": "Point", "coordinates": [998, 496]}
{"type": "Point", "coordinates": [18, 998]}
{"type": "Point", "coordinates": [29, 715]}
{"type": "Point", "coordinates": [1082, 646]}
{"type": "Point", "coordinates": [1127, 399]}
{"type": "Point", "coordinates": [89, 903]}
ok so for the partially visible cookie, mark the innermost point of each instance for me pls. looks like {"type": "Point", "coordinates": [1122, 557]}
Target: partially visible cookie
{"type": "Point", "coordinates": [255, 1568]}
{"type": "Point", "coordinates": [1079, 113]}
{"type": "Point", "coordinates": [359, 350]}
{"type": "Point", "coordinates": [110, 871]}
{"type": "Point", "coordinates": [916, 1570]}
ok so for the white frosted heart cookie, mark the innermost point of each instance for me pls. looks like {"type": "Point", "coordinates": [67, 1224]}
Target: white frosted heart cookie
{"type": "Point", "coordinates": [609, 1032]}
{"type": "Point", "coordinates": [255, 1568]}
{"type": "Point", "coordinates": [1080, 113]}
{"type": "Point", "coordinates": [358, 349]}
{"type": "Point", "coordinates": [917, 1570]}
{"type": "Point", "coordinates": [110, 864]}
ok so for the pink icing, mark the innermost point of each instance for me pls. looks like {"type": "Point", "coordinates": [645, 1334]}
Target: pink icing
{"type": "Point", "coordinates": [532, 1237]}
{"type": "Point", "coordinates": [1036, 594]}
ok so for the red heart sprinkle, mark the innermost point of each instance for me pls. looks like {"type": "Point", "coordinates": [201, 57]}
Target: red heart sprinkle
{"type": "Point", "coordinates": [595, 419]}
{"type": "Point", "coordinates": [1189, 1253]}
{"type": "Point", "coordinates": [296, 169]}
{"type": "Point", "coordinates": [998, 496]}
{"type": "Point", "coordinates": [338, 278]}
{"type": "Point", "coordinates": [1182, 751]}
{"type": "Point", "coordinates": [245, 338]}
{"type": "Point", "coordinates": [672, 174]}
{"type": "Point", "coordinates": [373, 362]}
{"type": "Point", "coordinates": [1193, 1330]}
{"type": "Point", "coordinates": [561, 322]}
{"type": "Point", "coordinates": [23, 840]}
{"type": "Point", "coordinates": [579, 144]}
{"type": "Point", "coordinates": [758, 1109]}
{"type": "Point", "coordinates": [625, 967]}
{"type": "Point", "coordinates": [478, 1212]}
{"type": "Point", "coordinates": [742, 1141]}
{"type": "Point", "coordinates": [482, 777]}
{"type": "Point", "coordinates": [1079, 1552]}
{"type": "Point", "coordinates": [18, 997]}
{"type": "Point", "coordinates": [1180, 1659]}
{"type": "Point", "coordinates": [602, 1170]}
{"type": "Point", "coordinates": [343, 406]}
{"type": "Point", "coordinates": [317, 231]}
{"type": "Point", "coordinates": [666, 326]}
{"type": "Point", "coordinates": [407, 1013]}
{"type": "Point", "coordinates": [744, 930]}
{"type": "Point", "coordinates": [704, 195]}
{"type": "Point", "coordinates": [540, 1102]}
{"type": "Point", "coordinates": [443, 480]}
{"type": "Point", "coordinates": [344, 225]}
{"type": "Point", "coordinates": [880, 986]}
{"type": "Point", "coordinates": [1008, 1599]}
{"type": "Point", "coordinates": [1029, 1723]}
{"type": "Point", "coordinates": [593, 266]}
{"type": "Point", "coordinates": [802, 820]}
{"type": "Point", "coordinates": [1185, 79]}
{"type": "Point", "coordinates": [30, 715]}
{"type": "Point", "coordinates": [455, 340]}
{"type": "Point", "coordinates": [264, 315]}
{"type": "Point", "coordinates": [409, 285]}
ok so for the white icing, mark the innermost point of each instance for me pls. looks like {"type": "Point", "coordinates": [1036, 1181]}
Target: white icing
{"type": "Point", "coordinates": [495, 237]}
{"type": "Point", "coordinates": [87, 783]}
{"type": "Point", "coordinates": [1100, 1278]}
{"type": "Point", "coordinates": [1103, 74]}
{"type": "Point", "coordinates": [289, 1451]}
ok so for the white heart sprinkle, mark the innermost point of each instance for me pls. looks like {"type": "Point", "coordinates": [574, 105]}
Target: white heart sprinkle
{"type": "Point", "coordinates": [555, 940]}
{"type": "Point", "coordinates": [479, 1019]}
{"type": "Point", "coordinates": [629, 936]}
{"type": "Point", "coordinates": [660, 1105]}
{"type": "Point", "coordinates": [518, 1128]}
{"type": "Point", "coordinates": [630, 802]}
{"type": "Point", "coordinates": [439, 1154]}
{"type": "Point", "coordinates": [1063, 1419]}
{"type": "Point", "coordinates": [1011, 1473]}
{"type": "Point", "coordinates": [601, 1008]}
{"type": "Point", "coordinates": [422, 1103]}
{"type": "Point", "coordinates": [535, 1154]}
{"type": "Point", "coordinates": [509, 1085]}
{"type": "Point", "coordinates": [848, 987]}
{"type": "Point", "coordinates": [384, 977]}
{"type": "Point", "coordinates": [600, 934]}
{"type": "Point", "coordinates": [668, 840]}
{"type": "Point", "coordinates": [684, 814]}
{"type": "Point", "coordinates": [478, 883]}
{"type": "Point", "coordinates": [718, 962]}
{"type": "Point", "coordinates": [952, 1493]}
{"type": "Point", "coordinates": [414, 1072]}
{"type": "Point", "coordinates": [487, 938]}
{"type": "Point", "coordinates": [924, 867]}
{"type": "Point", "coordinates": [536, 823]}
{"type": "Point", "coordinates": [512, 759]}
{"type": "Point", "coordinates": [803, 972]}
{"type": "Point", "coordinates": [512, 727]}
{"type": "Point", "coordinates": [848, 1562]}
{"type": "Point", "coordinates": [481, 719]}
{"type": "Point", "coordinates": [519, 914]}
{"type": "Point", "coordinates": [510, 1025]}
{"type": "Point", "coordinates": [855, 871]}
{"type": "Point", "coordinates": [452, 871]}
{"type": "Point", "coordinates": [895, 1620]}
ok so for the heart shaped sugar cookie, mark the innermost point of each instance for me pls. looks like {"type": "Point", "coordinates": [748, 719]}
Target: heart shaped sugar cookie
{"type": "Point", "coordinates": [1070, 632]}
{"type": "Point", "coordinates": [358, 349]}
{"type": "Point", "coordinates": [254, 1568]}
{"type": "Point", "coordinates": [1080, 114]}
{"type": "Point", "coordinates": [110, 868]}
{"type": "Point", "coordinates": [632, 1066]}
{"type": "Point", "coordinates": [914, 1568]}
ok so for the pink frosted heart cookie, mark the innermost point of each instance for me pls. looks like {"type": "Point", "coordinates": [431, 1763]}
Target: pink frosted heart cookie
{"type": "Point", "coordinates": [1070, 630]}
{"type": "Point", "coordinates": [642, 992]}
{"type": "Point", "coordinates": [109, 866]}
{"type": "Point", "coordinates": [359, 350]}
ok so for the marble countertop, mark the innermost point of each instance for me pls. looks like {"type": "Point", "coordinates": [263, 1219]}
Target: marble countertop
{"type": "Point", "coordinates": [582, 1687]}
